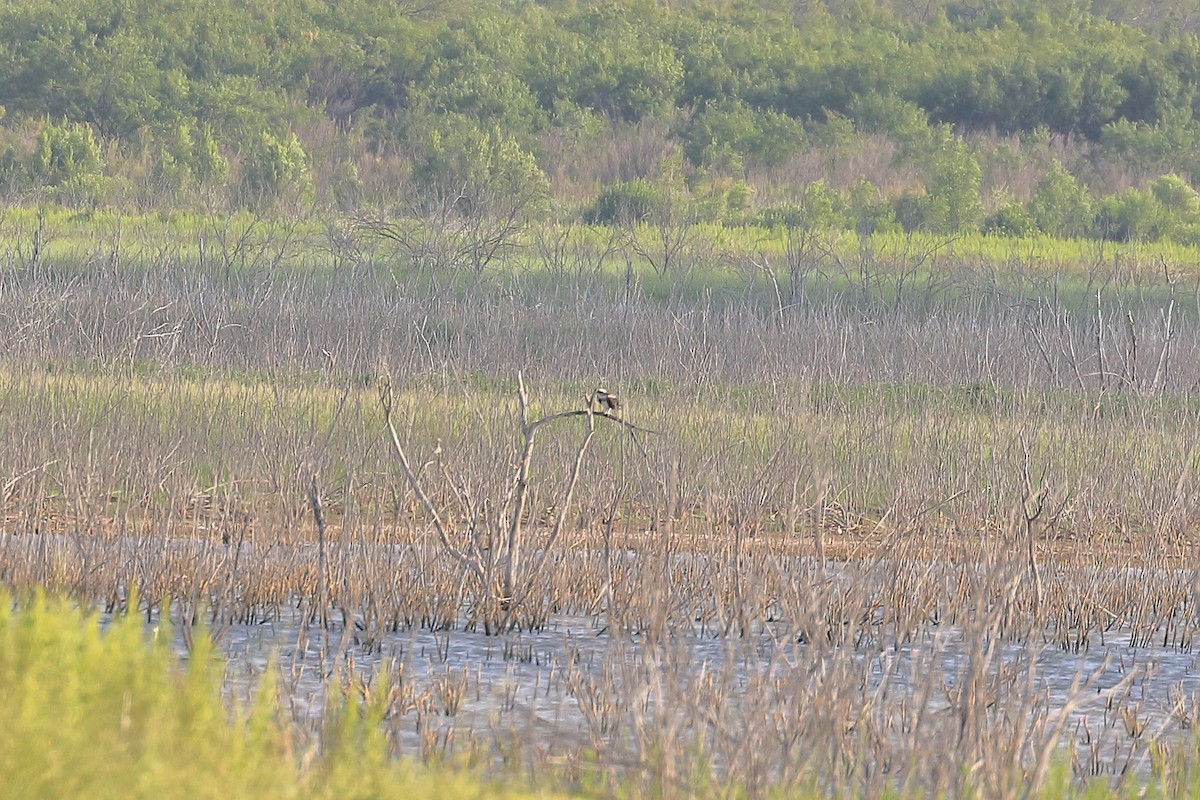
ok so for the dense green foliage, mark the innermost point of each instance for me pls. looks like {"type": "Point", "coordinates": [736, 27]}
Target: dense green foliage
{"type": "Point", "coordinates": [1013, 117]}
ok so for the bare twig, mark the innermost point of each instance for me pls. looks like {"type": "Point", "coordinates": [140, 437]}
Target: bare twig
{"type": "Point", "coordinates": [414, 483]}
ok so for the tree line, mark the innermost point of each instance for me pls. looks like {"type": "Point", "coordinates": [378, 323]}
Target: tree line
{"type": "Point", "coordinates": [1068, 118]}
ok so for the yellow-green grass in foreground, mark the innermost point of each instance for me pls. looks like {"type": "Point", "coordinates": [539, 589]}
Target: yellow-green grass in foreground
{"type": "Point", "coordinates": [96, 711]}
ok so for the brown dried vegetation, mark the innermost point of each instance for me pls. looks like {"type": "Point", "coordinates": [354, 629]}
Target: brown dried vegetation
{"type": "Point", "coordinates": [877, 515]}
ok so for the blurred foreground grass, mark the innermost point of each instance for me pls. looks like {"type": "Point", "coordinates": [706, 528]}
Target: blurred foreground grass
{"type": "Point", "coordinates": [96, 710]}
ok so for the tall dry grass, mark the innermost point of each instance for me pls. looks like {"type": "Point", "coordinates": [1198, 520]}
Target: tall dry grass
{"type": "Point", "coordinates": [883, 504]}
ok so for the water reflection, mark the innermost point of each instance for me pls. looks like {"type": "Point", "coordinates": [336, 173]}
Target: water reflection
{"type": "Point", "coordinates": [575, 685]}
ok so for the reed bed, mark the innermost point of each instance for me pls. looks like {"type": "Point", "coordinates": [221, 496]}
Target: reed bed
{"type": "Point", "coordinates": [835, 491]}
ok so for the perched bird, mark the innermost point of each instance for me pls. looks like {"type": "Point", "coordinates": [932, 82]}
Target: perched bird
{"type": "Point", "coordinates": [607, 401]}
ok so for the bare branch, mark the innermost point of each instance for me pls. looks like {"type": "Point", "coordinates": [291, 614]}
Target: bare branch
{"type": "Point", "coordinates": [564, 508]}
{"type": "Point", "coordinates": [415, 484]}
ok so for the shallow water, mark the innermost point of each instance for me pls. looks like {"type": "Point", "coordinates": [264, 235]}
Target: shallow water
{"type": "Point", "coordinates": [470, 690]}
{"type": "Point", "coordinates": [581, 684]}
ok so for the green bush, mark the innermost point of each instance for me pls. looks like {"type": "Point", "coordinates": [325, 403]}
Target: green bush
{"type": "Point", "coordinates": [952, 187]}
{"type": "Point", "coordinates": [86, 713]}
{"type": "Point", "coordinates": [1169, 209]}
{"type": "Point", "coordinates": [68, 158]}
{"type": "Point", "coordinates": [171, 162]}
{"type": "Point", "coordinates": [1179, 219]}
{"type": "Point", "coordinates": [275, 167]}
{"type": "Point", "coordinates": [1010, 219]}
{"type": "Point", "coordinates": [716, 198]}
{"type": "Point", "coordinates": [208, 166]}
{"type": "Point", "coordinates": [730, 127]}
{"type": "Point", "coordinates": [870, 211]}
{"type": "Point", "coordinates": [626, 201]}
{"type": "Point", "coordinates": [901, 120]}
{"type": "Point", "coordinates": [911, 211]}
{"type": "Point", "coordinates": [819, 206]}
{"type": "Point", "coordinates": [1060, 206]}
{"type": "Point", "coordinates": [1144, 147]}
{"type": "Point", "coordinates": [486, 171]}
{"type": "Point", "coordinates": [1130, 216]}
{"type": "Point", "coordinates": [186, 160]}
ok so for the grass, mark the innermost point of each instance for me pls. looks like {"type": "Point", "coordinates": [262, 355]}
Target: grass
{"type": "Point", "coordinates": [93, 707]}
{"type": "Point", "coordinates": [717, 261]}
{"type": "Point", "coordinates": [831, 476]}
{"type": "Point", "coordinates": [96, 706]}
{"type": "Point", "coordinates": [869, 443]}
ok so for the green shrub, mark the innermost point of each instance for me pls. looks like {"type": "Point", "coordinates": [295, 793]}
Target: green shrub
{"type": "Point", "coordinates": [1130, 216]}
{"type": "Point", "coordinates": [481, 172]}
{"type": "Point", "coordinates": [1010, 219]}
{"type": "Point", "coordinates": [274, 168]}
{"type": "Point", "coordinates": [626, 201]}
{"type": "Point", "coordinates": [88, 713]}
{"type": "Point", "coordinates": [870, 211]}
{"type": "Point", "coordinates": [1179, 219]}
{"type": "Point", "coordinates": [911, 211]}
{"type": "Point", "coordinates": [1141, 146]}
{"type": "Point", "coordinates": [1060, 206]}
{"type": "Point", "coordinates": [716, 198]}
{"type": "Point", "coordinates": [952, 187]}
{"type": "Point", "coordinates": [208, 166]}
{"type": "Point", "coordinates": [171, 162]}
{"type": "Point", "coordinates": [186, 160]}
{"type": "Point", "coordinates": [68, 158]}
{"type": "Point", "coordinates": [901, 120]}
{"type": "Point", "coordinates": [819, 206]}
{"type": "Point", "coordinates": [730, 129]}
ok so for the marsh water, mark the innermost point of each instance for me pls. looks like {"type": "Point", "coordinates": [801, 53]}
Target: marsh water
{"type": "Point", "coordinates": [576, 684]}
{"type": "Point", "coordinates": [622, 688]}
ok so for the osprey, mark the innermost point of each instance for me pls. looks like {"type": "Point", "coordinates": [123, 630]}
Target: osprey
{"type": "Point", "coordinates": [607, 401]}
